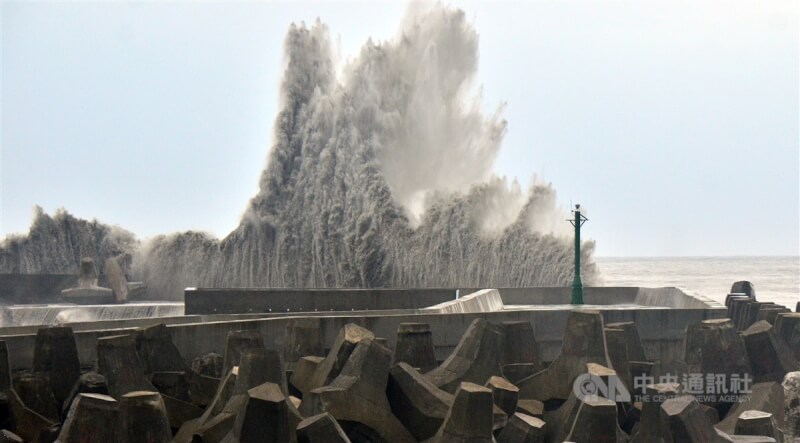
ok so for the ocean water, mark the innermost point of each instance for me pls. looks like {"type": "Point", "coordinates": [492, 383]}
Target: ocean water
{"type": "Point", "coordinates": [776, 279]}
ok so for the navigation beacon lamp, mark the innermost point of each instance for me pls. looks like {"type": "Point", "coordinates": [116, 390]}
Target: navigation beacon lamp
{"type": "Point", "coordinates": [577, 285]}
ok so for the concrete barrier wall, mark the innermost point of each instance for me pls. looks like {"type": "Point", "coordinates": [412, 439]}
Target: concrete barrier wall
{"type": "Point", "coordinates": [662, 331]}
{"type": "Point", "coordinates": [485, 300]}
{"type": "Point", "coordinates": [254, 300]}
{"type": "Point", "coordinates": [34, 288]}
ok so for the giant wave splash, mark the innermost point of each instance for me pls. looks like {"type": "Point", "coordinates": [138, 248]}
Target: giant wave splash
{"type": "Point", "coordinates": [380, 175]}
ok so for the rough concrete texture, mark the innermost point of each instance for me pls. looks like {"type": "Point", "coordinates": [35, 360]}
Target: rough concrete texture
{"type": "Point", "coordinates": [476, 358]}
{"type": "Point", "coordinates": [157, 351]}
{"type": "Point", "coordinates": [209, 365]}
{"type": "Point", "coordinates": [714, 347]}
{"type": "Point", "coordinates": [5, 368]}
{"type": "Point", "coordinates": [767, 397]}
{"type": "Point", "coordinates": [119, 363]}
{"type": "Point", "coordinates": [787, 327]}
{"type": "Point", "coordinates": [56, 354]}
{"type": "Point", "coordinates": [357, 396]}
{"type": "Point", "coordinates": [414, 345]}
{"type": "Point", "coordinates": [236, 343]}
{"type": "Point", "coordinates": [533, 408]}
{"type": "Point", "coordinates": [303, 372]}
{"type": "Point", "coordinates": [144, 418]}
{"type": "Point", "coordinates": [259, 366]}
{"type": "Point", "coordinates": [584, 342]}
{"type": "Point", "coordinates": [321, 428]}
{"type": "Point", "coordinates": [758, 423]}
{"type": "Point", "coordinates": [330, 367]}
{"type": "Point", "coordinates": [34, 390]}
{"type": "Point", "coordinates": [650, 427]}
{"type": "Point", "coordinates": [265, 417]}
{"type": "Point", "coordinates": [520, 347]}
{"type": "Point", "coordinates": [522, 428]}
{"type": "Point", "coordinates": [88, 383]}
{"type": "Point", "coordinates": [303, 337]}
{"type": "Point", "coordinates": [769, 356]}
{"type": "Point", "coordinates": [419, 405]}
{"type": "Point", "coordinates": [596, 421]}
{"type": "Point", "coordinates": [791, 393]}
{"type": "Point", "coordinates": [684, 422]}
{"type": "Point", "coordinates": [470, 417]}
{"type": "Point", "coordinates": [504, 394]}
{"type": "Point", "coordinates": [30, 425]}
{"type": "Point", "coordinates": [92, 418]}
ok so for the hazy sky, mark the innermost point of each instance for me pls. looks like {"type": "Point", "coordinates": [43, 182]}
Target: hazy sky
{"type": "Point", "coordinates": [674, 123]}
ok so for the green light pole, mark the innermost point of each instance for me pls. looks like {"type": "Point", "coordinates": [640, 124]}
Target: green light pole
{"type": "Point", "coordinates": [577, 285]}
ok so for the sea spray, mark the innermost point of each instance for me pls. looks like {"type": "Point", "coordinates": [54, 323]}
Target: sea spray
{"type": "Point", "coordinates": [380, 175]}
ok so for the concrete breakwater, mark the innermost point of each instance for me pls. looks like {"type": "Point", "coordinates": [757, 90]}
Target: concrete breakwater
{"type": "Point", "coordinates": [509, 374]}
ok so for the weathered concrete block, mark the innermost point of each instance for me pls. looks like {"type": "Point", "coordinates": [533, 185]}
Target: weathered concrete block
{"type": "Point", "coordinates": [119, 363]}
{"type": "Point", "coordinates": [88, 383]}
{"type": "Point", "coordinates": [266, 417]}
{"type": "Point", "coordinates": [321, 428]}
{"type": "Point", "coordinates": [303, 337]}
{"type": "Point", "coordinates": [238, 342]}
{"type": "Point", "coordinates": [179, 411]}
{"type": "Point", "coordinates": [259, 366]}
{"type": "Point", "coordinates": [770, 313]}
{"type": "Point", "coordinates": [157, 351]}
{"type": "Point", "coordinates": [414, 346]}
{"type": "Point", "coordinates": [344, 345]}
{"type": "Point", "coordinates": [520, 343]}
{"type": "Point", "coordinates": [534, 408]}
{"type": "Point", "coordinates": [92, 418]}
{"type": "Point", "coordinates": [714, 347]}
{"type": "Point", "coordinates": [769, 356]}
{"type": "Point", "coordinates": [304, 371]}
{"type": "Point", "coordinates": [504, 394]}
{"type": "Point", "coordinates": [116, 280]}
{"type": "Point", "coordinates": [357, 397]}
{"type": "Point", "coordinates": [209, 365]}
{"type": "Point", "coordinates": [419, 405]}
{"type": "Point", "coordinates": [34, 390]}
{"type": "Point", "coordinates": [596, 421]}
{"type": "Point", "coordinates": [5, 368]}
{"type": "Point", "coordinates": [650, 427]}
{"type": "Point", "coordinates": [791, 394]}
{"type": "Point", "coordinates": [584, 342]}
{"type": "Point", "coordinates": [744, 287]}
{"type": "Point", "coordinates": [768, 397]}
{"type": "Point", "coordinates": [633, 343]}
{"type": "Point", "coordinates": [214, 421]}
{"type": "Point", "coordinates": [519, 371]}
{"type": "Point", "coordinates": [758, 423]}
{"type": "Point", "coordinates": [787, 327]}
{"type": "Point", "coordinates": [30, 425]}
{"type": "Point", "coordinates": [56, 354]}
{"type": "Point", "coordinates": [685, 421]}
{"type": "Point", "coordinates": [476, 358]}
{"type": "Point", "coordinates": [173, 384]}
{"type": "Point", "coordinates": [144, 418]}
{"type": "Point", "coordinates": [522, 428]}
{"type": "Point", "coordinates": [470, 417]}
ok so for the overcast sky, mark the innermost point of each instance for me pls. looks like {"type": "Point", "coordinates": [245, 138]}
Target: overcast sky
{"type": "Point", "coordinates": [674, 123]}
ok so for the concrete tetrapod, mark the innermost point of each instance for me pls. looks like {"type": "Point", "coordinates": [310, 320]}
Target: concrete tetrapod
{"type": "Point", "coordinates": [649, 429]}
{"type": "Point", "coordinates": [477, 357]}
{"type": "Point", "coordinates": [767, 397]}
{"type": "Point", "coordinates": [504, 394]}
{"type": "Point", "coordinates": [321, 428]}
{"type": "Point", "coordinates": [236, 343]}
{"type": "Point", "coordinates": [330, 367]}
{"type": "Point", "coordinates": [303, 336]}
{"type": "Point", "coordinates": [357, 397]}
{"type": "Point", "coordinates": [419, 405]}
{"type": "Point", "coordinates": [92, 417]}
{"type": "Point", "coordinates": [470, 418]}
{"type": "Point", "coordinates": [758, 423]}
{"type": "Point", "coordinates": [56, 354]}
{"type": "Point", "coordinates": [267, 416]}
{"type": "Point", "coordinates": [584, 342]}
{"type": "Point", "coordinates": [769, 356]}
{"type": "Point", "coordinates": [144, 418]}
{"type": "Point", "coordinates": [522, 428]}
{"type": "Point", "coordinates": [414, 345]}
{"type": "Point", "coordinates": [118, 362]}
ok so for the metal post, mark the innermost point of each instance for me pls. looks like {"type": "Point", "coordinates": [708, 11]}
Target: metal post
{"type": "Point", "coordinates": [577, 285]}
